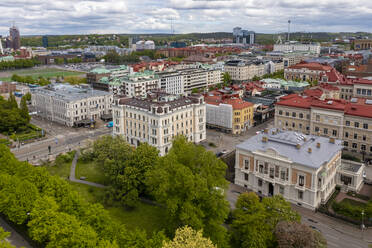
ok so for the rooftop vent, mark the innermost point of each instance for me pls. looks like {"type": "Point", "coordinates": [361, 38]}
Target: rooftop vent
{"type": "Point", "coordinates": [332, 140]}
{"type": "Point", "coordinates": [298, 146]}
{"type": "Point", "coordinates": [330, 102]}
{"type": "Point", "coordinates": [266, 130]}
{"type": "Point", "coordinates": [318, 145]}
{"type": "Point", "coordinates": [309, 150]}
{"type": "Point", "coordinates": [264, 139]}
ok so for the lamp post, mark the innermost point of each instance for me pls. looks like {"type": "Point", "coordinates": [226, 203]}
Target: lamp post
{"type": "Point", "coordinates": [362, 224]}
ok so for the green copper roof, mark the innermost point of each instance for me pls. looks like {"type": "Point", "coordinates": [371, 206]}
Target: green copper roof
{"type": "Point", "coordinates": [7, 58]}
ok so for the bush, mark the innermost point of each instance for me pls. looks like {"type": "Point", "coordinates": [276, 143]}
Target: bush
{"type": "Point", "coordinates": [349, 208]}
{"type": "Point", "coordinates": [363, 197]}
{"type": "Point", "coordinates": [350, 157]}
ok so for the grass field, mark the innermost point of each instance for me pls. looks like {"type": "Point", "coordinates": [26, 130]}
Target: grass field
{"type": "Point", "coordinates": [35, 73]}
{"type": "Point", "coordinates": [91, 171]}
{"type": "Point", "coordinates": [145, 216]}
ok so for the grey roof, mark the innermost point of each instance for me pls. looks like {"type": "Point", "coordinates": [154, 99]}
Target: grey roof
{"type": "Point", "coordinates": [69, 92]}
{"type": "Point", "coordinates": [285, 142]}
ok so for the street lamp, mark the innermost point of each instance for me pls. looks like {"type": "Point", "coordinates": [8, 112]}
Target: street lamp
{"type": "Point", "coordinates": [362, 226]}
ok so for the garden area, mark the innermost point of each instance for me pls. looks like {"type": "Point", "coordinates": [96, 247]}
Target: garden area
{"type": "Point", "coordinates": [91, 172]}
{"type": "Point", "coordinates": [350, 207]}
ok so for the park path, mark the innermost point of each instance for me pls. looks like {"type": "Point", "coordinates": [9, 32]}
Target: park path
{"type": "Point", "coordinates": [72, 173]}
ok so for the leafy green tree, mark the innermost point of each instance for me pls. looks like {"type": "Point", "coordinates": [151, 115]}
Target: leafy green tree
{"type": "Point", "coordinates": [254, 221]}
{"type": "Point", "coordinates": [186, 237]}
{"type": "Point", "coordinates": [226, 78]}
{"type": "Point", "coordinates": [111, 153]}
{"type": "Point", "coordinates": [27, 96]}
{"type": "Point", "coordinates": [130, 184]}
{"type": "Point", "coordinates": [24, 110]}
{"type": "Point", "coordinates": [12, 101]}
{"type": "Point", "coordinates": [190, 182]}
{"type": "Point", "coordinates": [256, 78]}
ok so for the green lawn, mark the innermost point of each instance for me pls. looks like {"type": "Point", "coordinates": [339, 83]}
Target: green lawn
{"type": "Point", "coordinates": [62, 170]}
{"type": "Point", "coordinates": [44, 72]}
{"type": "Point", "coordinates": [91, 171]}
{"type": "Point", "coordinates": [145, 216]}
{"type": "Point", "coordinates": [353, 202]}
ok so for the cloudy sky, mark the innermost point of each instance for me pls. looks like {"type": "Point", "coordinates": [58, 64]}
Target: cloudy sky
{"type": "Point", "coordinates": [155, 16]}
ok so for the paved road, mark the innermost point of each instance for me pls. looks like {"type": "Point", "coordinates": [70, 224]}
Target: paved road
{"type": "Point", "coordinates": [72, 174]}
{"type": "Point", "coordinates": [60, 143]}
{"type": "Point", "coordinates": [337, 233]}
{"type": "Point", "coordinates": [228, 142]}
{"type": "Point", "coordinates": [15, 239]}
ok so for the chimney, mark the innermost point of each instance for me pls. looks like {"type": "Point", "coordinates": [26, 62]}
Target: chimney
{"type": "Point", "coordinates": [332, 140]}
{"type": "Point", "coordinates": [309, 150]}
{"type": "Point", "coordinates": [318, 145]}
{"type": "Point", "coordinates": [298, 146]}
{"type": "Point", "coordinates": [264, 139]}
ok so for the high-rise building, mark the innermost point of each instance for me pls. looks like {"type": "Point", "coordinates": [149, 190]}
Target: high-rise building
{"type": "Point", "coordinates": [242, 36]}
{"type": "Point", "coordinates": [14, 39]}
{"type": "Point", "coordinates": [45, 41]}
{"type": "Point", "coordinates": [1, 46]}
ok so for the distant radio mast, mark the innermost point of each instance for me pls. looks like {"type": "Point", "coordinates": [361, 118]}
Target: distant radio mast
{"type": "Point", "coordinates": [289, 28]}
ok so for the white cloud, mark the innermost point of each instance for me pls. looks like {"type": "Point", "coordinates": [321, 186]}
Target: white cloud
{"type": "Point", "coordinates": [146, 16]}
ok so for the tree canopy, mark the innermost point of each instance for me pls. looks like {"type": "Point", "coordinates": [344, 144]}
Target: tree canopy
{"type": "Point", "coordinates": [254, 221]}
{"type": "Point", "coordinates": [186, 237]}
{"type": "Point", "coordinates": [190, 182]}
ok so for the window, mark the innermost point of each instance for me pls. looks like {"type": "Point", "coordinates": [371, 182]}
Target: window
{"type": "Point", "coordinates": [355, 145]}
{"type": "Point", "coordinates": [317, 117]}
{"type": "Point", "coordinates": [261, 168]}
{"type": "Point", "coordinates": [365, 125]}
{"type": "Point", "coordinates": [347, 123]}
{"type": "Point", "coordinates": [364, 138]}
{"type": "Point", "coordinates": [266, 168]}
{"type": "Point", "coordinates": [308, 116]}
{"type": "Point", "coordinates": [356, 124]}
{"type": "Point", "coordinates": [271, 172]}
{"type": "Point", "coordinates": [346, 134]}
{"type": "Point", "coordinates": [246, 176]}
{"type": "Point", "coordinates": [293, 114]}
{"type": "Point", "coordinates": [355, 136]}
{"type": "Point", "coordinates": [281, 190]}
{"type": "Point", "coordinates": [363, 147]}
{"type": "Point", "coordinates": [346, 143]}
{"type": "Point", "coordinates": [286, 113]}
{"type": "Point", "coordinates": [276, 171]}
{"type": "Point", "coordinates": [334, 132]}
{"type": "Point", "coordinates": [325, 130]}
{"type": "Point", "coordinates": [280, 112]}
{"type": "Point", "coordinates": [301, 180]}
{"type": "Point", "coordinates": [316, 129]}
{"type": "Point", "coordinates": [301, 115]}
{"type": "Point", "coordinates": [259, 183]}
{"type": "Point", "coordinates": [282, 175]}
{"type": "Point", "coordinates": [300, 194]}
{"type": "Point", "coordinates": [293, 125]}
{"type": "Point", "coordinates": [246, 164]}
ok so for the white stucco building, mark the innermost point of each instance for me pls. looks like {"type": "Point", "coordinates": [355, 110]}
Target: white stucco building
{"type": "Point", "coordinates": [158, 118]}
{"type": "Point", "coordinates": [300, 167]}
{"type": "Point", "coordinates": [71, 105]}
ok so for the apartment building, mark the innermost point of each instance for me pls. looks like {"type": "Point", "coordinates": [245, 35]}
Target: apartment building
{"type": "Point", "coordinates": [231, 115]}
{"type": "Point", "coordinates": [137, 84]}
{"type": "Point", "coordinates": [241, 71]}
{"type": "Point", "coordinates": [298, 47]}
{"type": "Point", "coordinates": [350, 121]}
{"type": "Point", "coordinates": [306, 71]}
{"type": "Point", "coordinates": [288, 58]}
{"type": "Point", "coordinates": [184, 81]}
{"type": "Point", "coordinates": [71, 105]}
{"type": "Point", "coordinates": [7, 87]}
{"type": "Point", "coordinates": [158, 118]}
{"type": "Point", "coordinates": [301, 168]}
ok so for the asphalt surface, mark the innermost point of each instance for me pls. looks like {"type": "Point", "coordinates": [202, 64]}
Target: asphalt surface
{"type": "Point", "coordinates": [15, 239]}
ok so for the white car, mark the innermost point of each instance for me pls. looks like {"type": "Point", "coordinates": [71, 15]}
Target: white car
{"type": "Point", "coordinates": [364, 175]}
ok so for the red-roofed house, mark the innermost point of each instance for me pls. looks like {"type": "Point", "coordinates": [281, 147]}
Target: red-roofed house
{"type": "Point", "coordinates": [350, 121]}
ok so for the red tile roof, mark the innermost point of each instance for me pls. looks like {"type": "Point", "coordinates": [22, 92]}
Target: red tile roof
{"type": "Point", "coordinates": [359, 108]}
{"type": "Point", "coordinates": [238, 103]}
{"type": "Point", "coordinates": [311, 66]}
{"type": "Point", "coordinates": [313, 92]}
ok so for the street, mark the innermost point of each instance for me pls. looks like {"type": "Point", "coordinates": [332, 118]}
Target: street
{"type": "Point", "coordinates": [59, 138]}
{"type": "Point", "coordinates": [338, 234]}
{"type": "Point", "coordinates": [223, 141]}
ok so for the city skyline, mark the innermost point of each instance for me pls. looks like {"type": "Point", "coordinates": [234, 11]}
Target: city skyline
{"type": "Point", "coordinates": [37, 17]}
